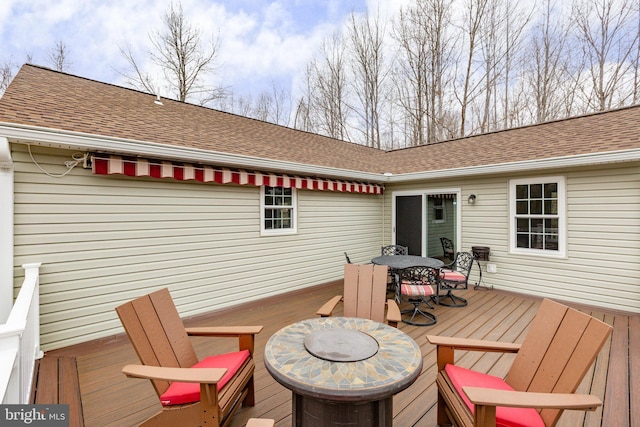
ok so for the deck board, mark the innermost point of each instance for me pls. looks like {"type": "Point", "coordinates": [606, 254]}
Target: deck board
{"type": "Point", "coordinates": [111, 399]}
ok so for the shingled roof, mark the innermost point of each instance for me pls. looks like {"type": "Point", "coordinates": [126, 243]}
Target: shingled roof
{"type": "Point", "coordinates": [44, 98]}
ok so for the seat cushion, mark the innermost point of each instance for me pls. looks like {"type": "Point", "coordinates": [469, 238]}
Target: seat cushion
{"type": "Point", "coordinates": [413, 289]}
{"type": "Point", "coordinates": [452, 276]}
{"type": "Point", "coordinates": [180, 393]}
{"type": "Point", "coordinates": [505, 417]}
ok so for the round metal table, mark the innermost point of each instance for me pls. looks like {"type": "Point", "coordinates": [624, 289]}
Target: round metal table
{"type": "Point", "coordinates": [327, 391]}
{"type": "Point", "coordinates": [400, 262]}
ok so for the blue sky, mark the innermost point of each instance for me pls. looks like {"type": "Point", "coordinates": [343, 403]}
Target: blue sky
{"type": "Point", "coordinates": [260, 41]}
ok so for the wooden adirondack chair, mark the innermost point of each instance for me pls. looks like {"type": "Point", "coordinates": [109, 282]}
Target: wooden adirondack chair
{"type": "Point", "coordinates": [365, 292]}
{"type": "Point", "coordinates": [190, 396]}
{"type": "Point", "coordinates": [560, 346]}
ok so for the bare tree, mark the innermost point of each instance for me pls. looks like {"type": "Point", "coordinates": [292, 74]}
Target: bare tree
{"type": "Point", "coordinates": [369, 73]}
{"type": "Point", "coordinates": [411, 73]}
{"type": "Point", "coordinates": [515, 23]}
{"type": "Point", "coordinates": [179, 52]}
{"type": "Point", "coordinates": [548, 63]}
{"type": "Point", "coordinates": [422, 74]}
{"type": "Point", "coordinates": [607, 31]}
{"type": "Point", "coordinates": [6, 75]}
{"type": "Point", "coordinates": [59, 56]}
{"type": "Point", "coordinates": [280, 110]}
{"type": "Point", "coordinates": [302, 118]}
{"type": "Point", "coordinates": [475, 10]}
{"type": "Point", "coordinates": [327, 92]}
{"type": "Point", "coordinates": [636, 63]}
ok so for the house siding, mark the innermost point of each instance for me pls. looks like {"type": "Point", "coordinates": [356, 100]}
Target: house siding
{"type": "Point", "coordinates": [602, 266]}
{"type": "Point", "coordinates": [104, 240]}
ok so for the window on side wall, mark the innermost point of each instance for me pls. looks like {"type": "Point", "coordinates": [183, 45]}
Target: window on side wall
{"type": "Point", "coordinates": [538, 216]}
{"type": "Point", "coordinates": [278, 210]}
{"type": "Point", "coordinates": [438, 210]}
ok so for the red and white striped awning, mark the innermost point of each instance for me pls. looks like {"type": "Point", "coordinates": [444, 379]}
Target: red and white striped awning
{"type": "Point", "coordinates": [118, 165]}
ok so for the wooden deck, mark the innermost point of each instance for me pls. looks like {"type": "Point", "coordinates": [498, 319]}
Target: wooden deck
{"type": "Point", "coordinates": [110, 399]}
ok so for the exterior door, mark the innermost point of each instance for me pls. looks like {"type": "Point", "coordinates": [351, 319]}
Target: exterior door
{"type": "Point", "coordinates": [408, 224]}
{"type": "Point", "coordinates": [420, 218]}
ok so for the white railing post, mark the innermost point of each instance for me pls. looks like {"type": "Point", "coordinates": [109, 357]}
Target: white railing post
{"type": "Point", "coordinates": [20, 340]}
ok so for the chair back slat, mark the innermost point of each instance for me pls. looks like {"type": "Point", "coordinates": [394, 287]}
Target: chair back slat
{"type": "Point", "coordinates": [539, 336]}
{"type": "Point", "coordinates": [365, 291]}
{"type": "Point", "coordinates": [584, 354]}
{"type": "Point", "coordinates": [157, 333]}
{"type": "Point", "coordinates": [173, 328]}
{"type": "Point", "coordinates": [559, 352]}
{"type": "Point", "coordinates": [560, 346]}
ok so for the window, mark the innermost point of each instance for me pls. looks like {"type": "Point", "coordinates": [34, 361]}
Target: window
{"type": "Point", "coordinates": [278, 210]}
{"type": "Point", "coordinates": [538, 216]}
{"type": "Point", "coordinates": [438, 210]}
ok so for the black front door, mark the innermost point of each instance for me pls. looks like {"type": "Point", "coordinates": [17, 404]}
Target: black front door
{"type": "Point", "coordinates": [409, 223]}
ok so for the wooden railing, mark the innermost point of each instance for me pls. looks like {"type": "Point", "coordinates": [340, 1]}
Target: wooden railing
{"type": "Point", "coordinates": [20, 340]}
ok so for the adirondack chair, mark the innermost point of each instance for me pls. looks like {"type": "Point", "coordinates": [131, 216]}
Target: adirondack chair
{"type": "Point", "coordinates": [209, 395]}
{"type": "Point", "coordinates": [560, 346]}
{"type": "Point", "coordinates": [365, 290]}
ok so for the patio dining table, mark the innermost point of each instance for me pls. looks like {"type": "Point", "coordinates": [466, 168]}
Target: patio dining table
{"type": "Point", "coordinates": [400, 262]}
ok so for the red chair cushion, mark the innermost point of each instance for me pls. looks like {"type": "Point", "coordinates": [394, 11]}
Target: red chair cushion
{"type": "Point", "coordinates": [452, 276]}
{"type": "Point", "coordinates": [407, 288]}
{"type": "Point", "coordinates": [180, 393]}
{"type": "Point", "coordinates": [505, 417]}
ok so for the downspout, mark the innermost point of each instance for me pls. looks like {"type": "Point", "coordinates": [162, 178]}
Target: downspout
{"type": "Point", "coordinates": [6, 225]}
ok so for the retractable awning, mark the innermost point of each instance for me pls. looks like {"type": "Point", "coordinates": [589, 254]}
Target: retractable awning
{"type": "Point", "coordinates": [139, 167]}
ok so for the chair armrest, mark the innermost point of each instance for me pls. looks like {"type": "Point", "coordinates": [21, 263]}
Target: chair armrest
{"type": "Point", "coordinates": [223, 331]}
{"type": "Point", "coordinates": [393, 313]}
{"type": "Point", "coordinates": [327, 309]}
{"type": "Point", "coordinates": [260, 422]}
{"type": "Point", "coordinates": [445, 347]}
{"type": "Point", "coordinates": [187, 375]}
{"type": "Point", "coordinates": [245, 334]}
{"type": "Point", "coordinates": [524, 399]}
{"type": "Point", "coordinates": [473, 345]}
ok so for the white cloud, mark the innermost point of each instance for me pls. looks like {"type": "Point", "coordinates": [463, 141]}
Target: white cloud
{"type": "Point", "coordinates": [260, 41]}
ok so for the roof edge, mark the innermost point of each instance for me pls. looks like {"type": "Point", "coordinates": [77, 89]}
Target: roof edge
{"type": "Point", "coordinates": [27, 134]}
{"type": "Point", "coordinates": [529, 165]}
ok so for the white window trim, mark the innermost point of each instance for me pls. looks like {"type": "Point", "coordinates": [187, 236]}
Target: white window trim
{"type": "Point", "coordinates": [279, 231]}
{"type": "Point", "coordinates": [562, 217]}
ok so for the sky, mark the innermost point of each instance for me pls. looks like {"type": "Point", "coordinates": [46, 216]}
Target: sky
{"type": "Point", "coordinates": [261, 42]}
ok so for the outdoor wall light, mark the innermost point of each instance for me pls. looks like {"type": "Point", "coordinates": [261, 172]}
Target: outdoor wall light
{"type": "Point", "coordinates": [472, 199]}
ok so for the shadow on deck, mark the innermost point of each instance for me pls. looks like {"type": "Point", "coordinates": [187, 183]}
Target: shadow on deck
{"type": "Point", "coordinates": [110, 399]}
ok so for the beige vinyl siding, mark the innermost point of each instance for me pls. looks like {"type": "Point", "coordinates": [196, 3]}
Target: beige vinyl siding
{"type": "Point", "coordinates": [104, 240]}
{"type": "Point", "coordinates": [602, 267]}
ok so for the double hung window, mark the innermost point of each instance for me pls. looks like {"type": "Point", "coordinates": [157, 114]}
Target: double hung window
{"type": "Point", "coordinates": [438, 210]}
{"type": "Point", "coordinates": [278, 210]}
{"type": "Point", "coordinates": [538, 216]}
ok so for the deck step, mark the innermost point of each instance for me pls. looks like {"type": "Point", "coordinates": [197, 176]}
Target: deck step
{"type": "Point", "coordinates": [56, 381]}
